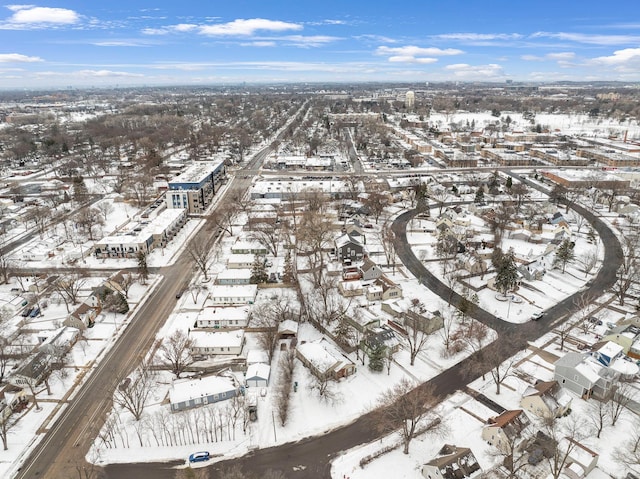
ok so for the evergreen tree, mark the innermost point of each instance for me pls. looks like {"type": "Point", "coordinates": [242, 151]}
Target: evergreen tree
{"type": "Point", "coordinates": [564, 254]}
{"type": "Point", "coordinates": [377, 355]}
{"type": "Point", "coordinates": [288, 276]}
{"type": "Point", "coordinates": [258, 271]}
{"type": "Point", "coordinates": [80, 192]}
{"type": "Point", "coordinates": [143, 268]}
{"type": "Point", "coordinates": [479, 195]}
{"type": "Point", "coordinates": [507, 273]}
{"type": "Point", "coordinates": [509, 183]}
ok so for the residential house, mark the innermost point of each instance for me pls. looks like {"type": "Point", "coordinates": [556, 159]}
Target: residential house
{"type": "Point", "coordinates": [257, 375]}
{"type": "Point", "coordinates": [222, 318]}
{"type": "Point", "coordinates": [612, 355]}
{"type": "Point", "coordinates": [232, 277]}
{"type": "Point", "coordinates": [427, 322]}
{"type": "Point", "coordinates": [191, 393]}
{"type": "Point", "coordinates": [504, 430]}
{"type": "Point", "coordinates": [376, 336]}
{"type": "Point", "coordinates": [208, 343]}
{"type": "Point", "coordinates": [582, 374]}
{"type": "Point", "coordinates": [240, 261]}
{"type": "Point", "coordinates": [248, 247]}
{"type": "Point", "coordinates": [349, 289]}
{"type": "Point", "coordinates": [363, 319]}
{"type": "Point", "coordinates": [369, 270]}
{"type": "Point", "coordinates": [383, 289]}
{"type": "Point", "coordinates": [533, 271]}
{"type": "Point", "coordinates": [627, 336]}
{"type": "Point", "coordinates": [12, 399]}
{"type": "Point", "coordinates": [545, 399]}
{"type": "Point", "coordinates": [348, 248]}
{"type": "Point", "coordinates": [60, 341]}
{"type": "Point", "coordinates": [452, 462]}
{"type": "Point", "coordinates": [84, 316]}
{"type": "Point", "coordinates": [32, 371]}
{"type": "Point", "coordinates": [474, 264]}
{"type": "Point", "coordinates": [233, 295]}
{"type": "Point", "coordinates": [324, 360]}
{"type": "Point", "coordinates": [393, 308]}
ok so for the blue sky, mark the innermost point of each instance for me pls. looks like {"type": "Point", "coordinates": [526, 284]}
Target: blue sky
{"type": "Point", "coordinates": [96, 43]}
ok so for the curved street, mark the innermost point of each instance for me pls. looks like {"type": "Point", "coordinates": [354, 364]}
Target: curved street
{"type": "Point", "coordinates": [311, 457]}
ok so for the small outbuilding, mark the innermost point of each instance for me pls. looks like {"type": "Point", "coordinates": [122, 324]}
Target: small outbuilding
{"type": "Point", "coordinates": [257, 375]}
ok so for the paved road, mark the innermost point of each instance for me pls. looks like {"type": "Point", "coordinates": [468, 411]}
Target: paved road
{"type": "Point", "coordinates": [310, 458]}
{"type": "Point", "coordinates": [62, 451]}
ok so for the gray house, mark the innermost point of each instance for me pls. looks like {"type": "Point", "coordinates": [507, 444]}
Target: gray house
{"type": "Point", "coordinates": [348, 248]}
{"type": "Point", "coordinates": [582, 374]}
{"type": "Point", "coordinates": [190, 393]}
{"type": "Point", "coordinates": [370, 270]}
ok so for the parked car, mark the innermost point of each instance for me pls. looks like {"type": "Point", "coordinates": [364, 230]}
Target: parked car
{"type": "Point", "coordinates": [199, 456]}
{"type": "Point", "coordinates": [537, 316]}
{"type": "Point", "coordinates": [34, 313]}
{"type": "Point", "coordinates": [594, 320]}
{"type": "Point", "coordinates": [26, 312]}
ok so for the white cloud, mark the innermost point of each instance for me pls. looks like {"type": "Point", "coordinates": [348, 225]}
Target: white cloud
{"type": "Point", "coordinates": [121, 43]}
{"type": "Point", "coordinates": [259, 43]}
{"type": "Point", "coordinates": [107, 73]}
{"type": "Point", "coordinates": [179, 28]}
{"type": "Point", "coordinates": [414, 54]}
{"type": "Point", "coordinates": [18, 58]}
{"type": "Point", "coordinates": [309, 41]}
{"type": "Point", "coordinates": [376, 38]}
{"type": "Point", "coordinates": [471, 72]}
{"type": "Point", "coordinates": [474, 37]}
{"type": "Point", "coordinates": [410, 59]}
{"type": "Point", "coordinates": [30, 14]}
{"type": "Point", "coordinates": [619, 57]}
{"type": "Point", "coordinates": [245, 27]}
{"type": "Point", "coordinates": [558, 56]}
{"type": "Point", "coordinates": [591, 39]}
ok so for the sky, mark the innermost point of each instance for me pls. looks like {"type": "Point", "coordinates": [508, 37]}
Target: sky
{"type": "Point", "coordinates": [62, 44]}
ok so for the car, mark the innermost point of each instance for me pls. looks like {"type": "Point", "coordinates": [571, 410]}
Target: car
{"type": "Point", "coordinates": [594, 320]}
{"type": "Point", "coordinates": [199, 456]}
{"type": "Point", "coordinates": [34, 313]}
{"type": "Point", "coordinates": [179, 294]}
{"type": "Point", "coordinates": [26, 312]}
{"type": "Point", "coordinates": [537, 316]}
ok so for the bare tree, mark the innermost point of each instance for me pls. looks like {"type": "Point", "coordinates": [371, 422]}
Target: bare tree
{"type": "Point", "coordinates": [411, 409]}
{"type": "Point", "coordinates": [562, 437]}
{"type": "Point", "coordinates": [105, 208]}
{"type": "Point", "coordinates": [564, 330]}
{"type": "Point", "coordinates": [598, 415]}
{"type": "Point", "coordinates": [387, 239]}
{"type": "Point", "coordinates": [125, 281]}
{"type": "Point", "coordinates": [6, 267]}
{"type": "Point", "coordinates": [6, 426]}
{"type": "Point", "coordinates": [200, 254]}
{"type": "Point", "coordinates": [69, 287]}
{"type": "Point", "coordinates": [618, 400]}
{"type": "Point", "coordinates": [283, 394]}
{"type": "Point", "coordinates": [268, 235]}
{"type": "Point", "coordinates": [224, 216]}
{"type": "Point", "coordinates": [584, 306]}
{"type": "Point", "coordinates": [502, 371]}
{"type": "Point", "coordinates": [175, 350]}
{"type": "Point", "coordinates": [88, 219]}
{"type": "Point", "coordinates": [376, 202]}
{"type": "Point", "coordinates": [588, 261]}
{"type": "Point", "coordinates": [629, 452]}
{"type": "Point", "coordinates": [513, 456]}
{"type": "Point", "coordinates": [133, 393]}
{"type": "Point", "coordinates": [267, 316]}
{"type": "Point", "coordinates": [314, 233]}
{"type": "Point", "coordinates": [629, 271]}
{"type": "Point", "coordinates": [416, 336]}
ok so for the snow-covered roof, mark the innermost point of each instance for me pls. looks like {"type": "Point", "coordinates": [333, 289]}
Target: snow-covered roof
{"type": "Point", "coordinates": [217, 339]}
{"type": "Point", "coordinates": [288, 325]}
{"type": "Point", "coordinates": [258, 370]}
{"type": "Point", "coordinates": [257, 356]}
{"type": "Point", "coordinates": [187, 389]}
{"type": "Point", "coordinates": [233, 291]}
{"type": "Point", "coordinates": [234, 273]}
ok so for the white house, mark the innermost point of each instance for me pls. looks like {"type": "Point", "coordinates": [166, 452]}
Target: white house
{"type": "Point", "coordinates": [240, 261]}
{"type": "Point", "coordinates": [207, 343]}
{"type": "Point", "coordinates": [234, 276]}
{"type": "Point", "coordinates": [230, 295]}
{"type": "Point", "coordinates": [221, 318]}
{"type": "Point", "coordinates": [190, 393]}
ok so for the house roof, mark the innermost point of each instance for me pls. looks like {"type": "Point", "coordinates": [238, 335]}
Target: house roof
{"type": "Point", "coordinates": [367, 264]}
{"type": "Point", "coordinates": [450, 458]}
{"type": "Point", "coordinates": [258, 371]}
{"type": "Point", "coordinates": [288, 326]}
{"type": "Point", "coordinates": [505, 418]}
{"type": "Point", "coordinates": [187, 389]}
{"type": "Point", "coordinates": [257, 356]}
{"type": "Point", "coordinates": [346, 239]}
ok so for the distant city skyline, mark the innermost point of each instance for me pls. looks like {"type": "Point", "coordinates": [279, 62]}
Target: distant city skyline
{"type": "Point", "coordinates": [99, 44]}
